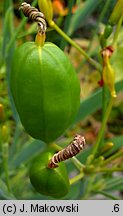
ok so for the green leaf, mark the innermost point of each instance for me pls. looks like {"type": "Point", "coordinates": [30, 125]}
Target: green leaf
{"type": "Point", "coordinates": [7, 4]}
{"type": "Point", "coordinates": [7, 30]}
{"type": "Point", "coordinates": [89, 105]}
{"type": "Point", "coordinates": [4, 194]}
{"type": "Point", "coordinates": [110, 196]}
{"type": "Point", "coordinates": [67, 23]}
{"type": "Point", "coordinates": [16, 140]}
{"type": "Point", "coordinates": [28, 151]}
{"type": "Point", "coordinates": [114, 184]}
{"type": "Point", "coordinates": [93, 103]}
{"type": "Point", "coordinates": [74, 192]}
{"type": "Point", "coordinates": [82, 13]}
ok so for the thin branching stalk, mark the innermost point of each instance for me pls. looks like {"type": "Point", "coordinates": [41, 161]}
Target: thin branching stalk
{"type": "Point", "coordinates": [77, 163]}
{"type": "Point", "coordinates": [108, 170]}
{"type": "Point", "coordinates": [104, 121]}
{"type": "Point", "coordinates": [76, 178]}
{"type": "Point", "coordinates": [74, 44]}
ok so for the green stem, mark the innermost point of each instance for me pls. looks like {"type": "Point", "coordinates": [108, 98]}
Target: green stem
{"type": "Point", "coordinates": [69, 40]}
{"type": "Point", "coordinates": [104, 121]}
{"type": "Point", "coordinates": [77, 163]}
{"type": "Point", "coordinates": [104, 100]}
{"type": "Point", "coordinates": [104, 106]}
{"type": "Point", "coordinates": [114, 169]}
{"type": "Point", "coordinates": [55, 146]}
{"type": "Point", "coordinates": [116, 34]}
{"type": "Point", "coordinates": [76, 178]}
{"type": "Point", "coordinates": [5, 164]}
{"type": "Point", "coordinates": [113, 157]}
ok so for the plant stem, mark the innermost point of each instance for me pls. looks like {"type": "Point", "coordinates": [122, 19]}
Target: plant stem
{"type": "Point", "coordinates": [76, 178]}
{"type": "Point", "coordinates": [74, 44]}
{"type": "Point", "coordinates": [113, 157]}
{"type": "Point", "coordinates": [55, 147]}
{"type": "Point", "coordinates": [104, 106]}
{"type": "Point", "coordinates": [104, 121]}
{"type": "Point", "coordinates": [77, 163]}
{"type": "Point", "coordinates": [5, 164]}
{"type": "Point", "coordinates": [104, 100]}
{"type": "Point", "coordinates": [107, 170]}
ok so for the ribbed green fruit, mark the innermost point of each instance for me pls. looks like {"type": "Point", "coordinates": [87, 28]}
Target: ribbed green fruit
{"type": "Point", "coordinates": [45, 89]}
{"type": "Point", "coordinates": [49, 182]}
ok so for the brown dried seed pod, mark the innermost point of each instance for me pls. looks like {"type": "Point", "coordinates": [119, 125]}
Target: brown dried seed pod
{"type": "Point", "coordinates": [34, 15]}
{"type": "Point", "coordinates": [71, 150]}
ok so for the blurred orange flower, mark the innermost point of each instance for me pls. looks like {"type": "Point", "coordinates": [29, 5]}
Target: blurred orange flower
{"type": "Point", "coordinates": [59, 8]}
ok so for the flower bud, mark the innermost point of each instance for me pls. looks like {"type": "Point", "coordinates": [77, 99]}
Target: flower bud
{"type": "Point", "coordinates": [116, 13]}
{"type": "Point", "coordinates": [89, 159]}
{"type": "Point", "coordinates": [4, 133]}
{"type": "Point", "coordinates": [108, 30]}
{"type": "Point", "coordinates": [107, 147]}
{"type": "Point", "coordinates": [109, 76]}
{"type": "Point", "coordinates": [98, 161]}
{"type": "Point", "coordinates": [46, 8]}
{"type": "Point", "coordinates": [1, 113]}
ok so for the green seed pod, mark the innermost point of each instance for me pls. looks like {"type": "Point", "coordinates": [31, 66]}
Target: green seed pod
{"type": "Point", "coordinates": [49, 182]}
{"type": "Point", "coordinates": [45, 89]}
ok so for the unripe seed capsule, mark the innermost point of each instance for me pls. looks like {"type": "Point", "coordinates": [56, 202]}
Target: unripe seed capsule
{"type": "Point", "coordinates": [45, 89]}
{"type": "Point", "coordinates": [50, 182]}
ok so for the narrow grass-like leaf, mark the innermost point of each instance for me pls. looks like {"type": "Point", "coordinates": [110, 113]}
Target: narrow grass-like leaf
{"type": "Point", "coordinates": [28, 151]}
{"type": "Point", "coordinates": [82, 14]}
{"type": "Point", "coordinates": [93, 103]}
{"type": "Point", "coordinates": [7, 4]}
{"type": "Point", "coordinates": [4, 194]}
{"type": "Point", "coordinates": [108, 195]}
{"type": "Point", "coordinates": [7, 56]}
{"type": "Point", "coordinates": [67, 23]}
{"type": "Point", "coordinates": [114, 184]}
